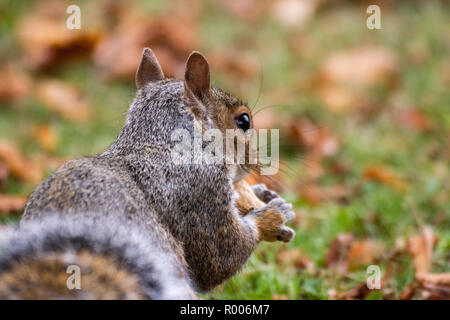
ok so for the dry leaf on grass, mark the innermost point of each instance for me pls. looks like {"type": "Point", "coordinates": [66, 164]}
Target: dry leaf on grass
{"type": "Point", "coordinates": [64, 99]}
{"type": "Point", "coordinates": [46, 39]}
{"type": "Point", "coordinates": [315, 194]}
{"type": "Point", "coordinates": [297, 258]}
{"type": "Point", "coordinates": [430, 285]}
{"type": "Point", "coordinates": [247, 10]}
{"type": "Point", "coordinates": [337, 255]}
{"type": "Point", "coordinates": [359, 292]}
{"type": "Point", "coordinates": [345, 253]}
{"type": "Point", "coordinates": [237, 63]}
{"type": "Point", "coordinates": [344, 77]}
{"type": "Point", "coordinates": [171, 38]}
{"type": "Point", "coordinates": [365, 252]}
{"type": "Point", "coordinates": [385, 176]}
{"type": "Point", "coordinates": [421, 249]}
{"type": "Point", "coordinates": [14, 84]}
{"type": "Point", "coordinates": [293, 13]}
{"type": "Point", "coordinates": [316, 139]}
{"type": "Point", "coordinates": [19, 166]}
{"type": "Point", "coordinates": [10, 203]}
{"type": "Point", "coordinates": [3, 174]}
{"type": "Point", "coordinates": [46, 136]}
{"type": "Point", "coordinates": [413, 119]}
{"type": "Point", "coordinates": [434, 286]}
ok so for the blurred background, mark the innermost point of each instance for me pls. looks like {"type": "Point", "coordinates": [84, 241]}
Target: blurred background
{"type": "Point", "coordinates": [364, 118]}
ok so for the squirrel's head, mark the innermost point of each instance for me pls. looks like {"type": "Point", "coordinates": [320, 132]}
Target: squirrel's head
{"type": "Point", "coordinates": [211, 106]}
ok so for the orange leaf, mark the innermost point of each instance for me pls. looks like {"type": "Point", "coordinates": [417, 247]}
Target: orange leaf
{"type": "Point", "coordinates": [46, 137]}
{"type": "Point", "coordinates": [18, 165]}
{"type": "Point", "coordinates": [63, 99]}
{"type": "Point", "coordinates": [421, 249]}
{"type": "Point", "coordinates": [10, 203]}
{"type": "Point", "coordinates": [385, 176]}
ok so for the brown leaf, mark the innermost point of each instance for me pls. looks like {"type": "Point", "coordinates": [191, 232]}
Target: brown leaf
{"type": "Point", "coordinates": [171, 38]}
{"type": "Point", "coordinates": [292, 13]}
{"type": "Point", "coordinates": [384, 176]}
{"type": "Point", "coordinates": [64, 99]}
{"type": "Point", "coordinates": [360, 66]}
{"type": "Point", "coordinates": [337, 255]}
{"type": "Point", "coordinates": [434, 286]}
{"type": "Point", "coordinates": [46, 136]}
{"type": "Point", "coordinates": [344, 77]}
{"type": "Point", "coordinates": [421, 249]}
{"type": "Point", "coordinates": [414, 119]}
{"type": "Point", "coordinates": [10, 203]}
{"type": "Point", "coordinates": [248, 10]}
{"type": "Point", "coordinates": [19, 166]}
{"type": "Point", "coordinates": [359, 292]}
{"type": "Point", "coordinates": [14, 84]}
{"type": "Point", "coordinates": [315, 194]}
{"type": "Point", "coordinates": [3, 174]}
{"type": "Point", "coordinates": [317, 140]}
{"type": "Point", "coordinates": [46, 39]}
{"type": "Point", "coordinates": [236, 63]}
{"type": "Point", "coordinates": [364, 252]}
{"type": "Point", "coordinates": [297, 258]}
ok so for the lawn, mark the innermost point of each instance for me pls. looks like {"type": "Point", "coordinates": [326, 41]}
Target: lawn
{"type": "Point", "coordinates": [364, 119]}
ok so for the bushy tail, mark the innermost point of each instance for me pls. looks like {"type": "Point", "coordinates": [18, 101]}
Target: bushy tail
{"type": "Point", "coordinates": [73, 258]}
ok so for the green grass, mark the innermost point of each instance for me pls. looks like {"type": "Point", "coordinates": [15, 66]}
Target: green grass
{"type": "Point", "coordinates": [377, 211]}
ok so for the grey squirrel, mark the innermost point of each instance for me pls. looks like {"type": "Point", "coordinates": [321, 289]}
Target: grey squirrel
{"type": "Point", "coordinates": [93, 211]}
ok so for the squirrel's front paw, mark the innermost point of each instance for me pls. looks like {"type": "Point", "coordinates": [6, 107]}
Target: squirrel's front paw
{"type": "Point", "coordinates": [263, 193]}
{"type": "Point", "coordinates": [271, 220]}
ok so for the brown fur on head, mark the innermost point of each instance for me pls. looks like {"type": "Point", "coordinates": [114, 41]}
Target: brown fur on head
{"type": "Point", "coordinates": [222, 108]}
{"type": "Point", "coordinates": [212, 106]}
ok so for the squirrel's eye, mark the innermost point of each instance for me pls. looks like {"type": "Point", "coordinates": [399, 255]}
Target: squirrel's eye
{"type": "Point", "coordinates": [243, 121]}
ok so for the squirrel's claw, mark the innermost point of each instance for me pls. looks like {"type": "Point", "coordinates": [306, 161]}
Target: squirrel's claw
{"type": "Point", "coordinates": [286, 234]}
{"type": "Point", "coordinates": [263, 193]}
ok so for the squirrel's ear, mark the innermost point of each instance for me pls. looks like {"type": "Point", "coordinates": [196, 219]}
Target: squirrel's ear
{"type": "Point", "coordinates": [149, 69]}
{"type": "Point", "coordinates": [196, 75]}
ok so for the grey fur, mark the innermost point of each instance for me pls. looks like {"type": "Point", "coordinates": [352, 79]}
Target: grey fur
{"type": "Point", "coordinates": [160, 275]}
{"type": "Point", "coordinates": [191, 207]}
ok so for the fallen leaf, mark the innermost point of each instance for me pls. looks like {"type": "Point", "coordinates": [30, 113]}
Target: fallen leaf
{"type": "Point", "coordinates": [337, 255]}
{"type": "Point", "coordinates": [231, 62]}
{"type": "Point", "coordinates": [3, 174]}
{"type": "Point", "coordinates": [14, 84]}
{"type": "Point", "coordinates": [293, 13]}
{"type": "Point", "coordinates": [384, 176]}
{"type": "Point", "coordinates": [171, 38]}
{"type": "Point", "coordinates": [434, 286]}
{"type": "Point", "coordinates": [315, 194]}
{"type": "Point", "coordinates": [64, 99]}
{"type": "Point", "coordinates": [414, 119]}
{"type": "Point", "coordinates": [46, 136]}
{"type": "Point", "coordinates": [344, 77]}
{"type": "Point", "coordinates": [10, 203]}
{"type": "Point", "coordinates": [360, 66]}
{"type": "Point", "coordinates": [46, 39]}
{"type": "Point", "coordinates": [359, 292]}
{"type": "Point", "coordinates": [317, 140]}
{"type": "Point", "coordinates": [19, 166]}
{"type": "Point", "coordinates": [364, 252]}
{"type": "Point", "coordinates": [247, 10]}
{"type": "Point", "coordinates": [421, 249]}
{"type": "Point", "coordinates": [297, 258]}
{"type": "Point", "coordinates": [277, 296]}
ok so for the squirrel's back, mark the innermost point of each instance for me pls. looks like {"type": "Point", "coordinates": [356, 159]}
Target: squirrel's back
{"type": "Point", "coordinates": [73, 258]}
